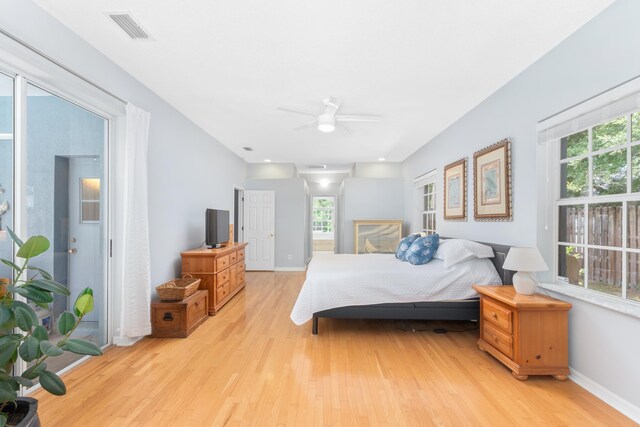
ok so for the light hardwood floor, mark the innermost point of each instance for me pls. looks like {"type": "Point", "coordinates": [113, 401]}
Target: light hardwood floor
{"type": "Point", "coordinates": [250, 365]}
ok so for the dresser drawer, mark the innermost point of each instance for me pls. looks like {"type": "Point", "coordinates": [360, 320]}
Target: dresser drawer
{"type": "Point", "coordinates": [240, 277]}
{"type": "Point", "coordinates": [222, 263]}
{"type": "Point", "coordinates": [240, 255]}
{"type": "Point", "coordinates": [497, 339]}
{"type": "Point", "coordinates": [240, 267]}
{"type": "Point", "coordinates": [222, 292]}
{"type": "Point", "coordinates": [233, 257]}
{"type": "Point", "coordinates": [498, 315]}
{"type": "Point", "coordinates": [222, 278]}
{"type": "Point", "coordinates": [233, 279]}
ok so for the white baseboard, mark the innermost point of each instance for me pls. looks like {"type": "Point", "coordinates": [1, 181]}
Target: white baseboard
{"type": "Point", "coordinates": [125, 341]}
{"type": "Point", "coordinates": [290, 269]}
{"type": "Point", "coordinates": [627, 408]}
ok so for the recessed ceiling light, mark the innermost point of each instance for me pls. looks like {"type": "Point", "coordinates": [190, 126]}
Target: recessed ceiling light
{"type": "Point", "coordinates": [267, 160]}
{"type": "Point", "coordinates": [381, 159]}
{"type": "Point", "coordinates": [324, 183]}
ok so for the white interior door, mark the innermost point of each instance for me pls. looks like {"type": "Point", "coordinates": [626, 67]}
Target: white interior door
{"type": "Point", "coordinates": [259, 229]}
{"type": "Point", "coordinates": [85, 231]}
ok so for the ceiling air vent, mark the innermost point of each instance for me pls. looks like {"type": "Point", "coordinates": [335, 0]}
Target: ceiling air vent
{"type": "Point", "coordinates": [129, 25]}
{"type": "Point", "coordinates": [247, 148]}
{"type": "Point", "coordinates": [317, 166]}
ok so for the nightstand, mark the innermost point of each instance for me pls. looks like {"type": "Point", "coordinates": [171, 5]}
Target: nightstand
{"type": "Point", "coordinates": [527, 333]}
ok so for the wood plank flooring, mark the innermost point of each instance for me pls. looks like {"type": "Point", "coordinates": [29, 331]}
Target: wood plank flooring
{"type": "Point", "coordinates": [250, 365]}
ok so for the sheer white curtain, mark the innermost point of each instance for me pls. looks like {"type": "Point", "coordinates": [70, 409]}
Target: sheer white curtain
{"type": "Point", "coordinates": [133, 272]}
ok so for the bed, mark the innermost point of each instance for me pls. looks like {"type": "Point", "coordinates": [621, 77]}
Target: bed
{"type": "Point", "coordinates": [378, 286]}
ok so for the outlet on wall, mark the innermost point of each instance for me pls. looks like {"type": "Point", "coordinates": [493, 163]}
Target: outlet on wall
{"type": "Point", "coordinates": [290, 257]}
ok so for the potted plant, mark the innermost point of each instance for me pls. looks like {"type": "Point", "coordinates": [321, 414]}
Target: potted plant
{"type": "Point", "coordinates": [22, 336]}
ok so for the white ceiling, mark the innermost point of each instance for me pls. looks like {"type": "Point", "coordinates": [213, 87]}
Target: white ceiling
{"type": "Point", "coordinates": [420, 64]}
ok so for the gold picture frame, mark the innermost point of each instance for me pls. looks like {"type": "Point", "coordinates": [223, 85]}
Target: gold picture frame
{"type": "Point", "coordinates": [455, 191]}
{"type": "Point", "coordinates": [492, 193]}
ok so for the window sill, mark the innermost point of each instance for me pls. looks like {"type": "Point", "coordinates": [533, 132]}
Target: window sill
{"type": "Point", "coordinates": [630, 308]}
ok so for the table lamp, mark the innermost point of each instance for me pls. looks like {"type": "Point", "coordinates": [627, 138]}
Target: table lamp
{"type": "Point", "coordinates": [524, 261]}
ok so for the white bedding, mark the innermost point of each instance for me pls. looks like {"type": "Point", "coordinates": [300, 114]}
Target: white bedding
{"type": "Point", "coordinates": [344, 280]}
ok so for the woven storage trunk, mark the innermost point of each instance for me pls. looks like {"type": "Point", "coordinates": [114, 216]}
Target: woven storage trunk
{"type": "Point", "coordinates": [178, 289]}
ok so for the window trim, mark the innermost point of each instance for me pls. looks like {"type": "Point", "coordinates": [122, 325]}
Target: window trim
{"type": "Point", "coordinates": [320, 235]}
{"type": "Point", "coordinates": [549, 133]}
{"type": "Point", "coordinates": [419, 183]}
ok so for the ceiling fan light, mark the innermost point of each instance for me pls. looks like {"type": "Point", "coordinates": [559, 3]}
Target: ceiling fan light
{"type": "Point", "coordinates": [326, 127]}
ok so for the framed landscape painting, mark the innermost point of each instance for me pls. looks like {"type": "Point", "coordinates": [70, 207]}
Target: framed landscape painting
{"type": "Point", "coordinates": [492, 182]}
{"type": "Point", "coordinates": [455, 191]}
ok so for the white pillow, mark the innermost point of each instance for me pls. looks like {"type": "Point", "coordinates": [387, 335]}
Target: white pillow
{"type": "Point", "coordinates": [454, 251]}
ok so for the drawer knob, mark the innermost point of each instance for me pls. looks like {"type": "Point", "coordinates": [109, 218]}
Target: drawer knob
{"type": "Point", "coordinates": [494, 314]}
{"type": "Point", "coordinates": [167, 317]}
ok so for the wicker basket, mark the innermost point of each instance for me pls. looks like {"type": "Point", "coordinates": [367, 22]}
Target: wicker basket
{"type": "Point", "coordinates": [178, 289]}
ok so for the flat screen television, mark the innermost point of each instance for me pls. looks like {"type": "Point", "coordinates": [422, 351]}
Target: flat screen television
{"type": "Point", "coordinates": [216, 227]}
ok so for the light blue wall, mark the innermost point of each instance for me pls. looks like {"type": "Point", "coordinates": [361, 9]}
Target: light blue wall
{"type": "Point", "coordinates": [604, 345]}
{"type": "Point", "coordinates": [188, 169]}
{"type": "Point", "coordinates": [368, 198]}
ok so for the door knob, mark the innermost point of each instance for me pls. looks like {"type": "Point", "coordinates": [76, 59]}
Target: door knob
{"type": "Point", "coordinates": [73, 251]}
{"type": "Point", "coordinates": [271, 235]}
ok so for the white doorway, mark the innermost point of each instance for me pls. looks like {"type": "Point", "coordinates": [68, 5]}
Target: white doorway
{"type": "Point", "coordinates": [259, 229]}
{"type": "Point", "coordinates": [238, 214]}
{"type": "Point", "coordinates": [323, 224]}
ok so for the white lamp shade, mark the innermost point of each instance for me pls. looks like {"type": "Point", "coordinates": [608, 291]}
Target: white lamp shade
{"type": "Point", "coordinates": [524, 259]}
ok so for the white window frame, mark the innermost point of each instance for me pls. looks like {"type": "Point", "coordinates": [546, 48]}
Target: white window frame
{"type": "Point", "coordinates": [420, 183]}
{"type": "Point", "coordinates": [320, 235]}
{"type": "Point", "coordinates": [619, 101]}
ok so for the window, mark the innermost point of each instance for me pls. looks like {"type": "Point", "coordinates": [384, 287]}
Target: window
{"type": "Point", "coordinates": [429, 208]}
{"type": "Point", "coordinates": [598, 208]}
{"type": "Point", "coordinates": [89, 200]}
{"type": "Point", "coordinates": [426, 202]}
{"type": "Point", "coordinates": [323, 215]}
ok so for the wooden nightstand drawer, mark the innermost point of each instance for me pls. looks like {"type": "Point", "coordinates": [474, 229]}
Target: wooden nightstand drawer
{"type": "Point", "coordinates": [222, 263]}
{"type": "Point", "coordinates": [497, 339]}
{"type": "Point", "coordinates": [497, 314]}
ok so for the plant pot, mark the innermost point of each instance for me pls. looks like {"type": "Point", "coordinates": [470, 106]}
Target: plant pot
{"type": "Point", "coordinates": [26, 413]}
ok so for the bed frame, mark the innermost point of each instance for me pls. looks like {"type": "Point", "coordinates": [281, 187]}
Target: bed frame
{"type": "Point", "coordinates": [468, 309]}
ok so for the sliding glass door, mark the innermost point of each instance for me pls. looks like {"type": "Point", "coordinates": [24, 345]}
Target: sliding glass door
{"type": "Point", "coordinates": [6, 171]}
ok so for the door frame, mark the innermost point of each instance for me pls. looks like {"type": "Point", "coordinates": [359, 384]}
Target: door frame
{"type": "Point", "coordinates": [273, 237]}
{"type": "Point", "coordinates": [114, 123]}
{"type": "Point", "coordinates": [238, 228]}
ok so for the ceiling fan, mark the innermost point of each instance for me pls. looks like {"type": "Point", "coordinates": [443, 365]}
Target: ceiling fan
{"type": "Point", "coordinates": [328, 118]}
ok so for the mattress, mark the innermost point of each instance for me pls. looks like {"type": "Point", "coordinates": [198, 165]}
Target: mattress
{"type": "Point", "coordinates": [345, 280]}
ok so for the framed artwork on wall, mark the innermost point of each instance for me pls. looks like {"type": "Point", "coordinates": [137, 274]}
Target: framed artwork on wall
{"type": "Point", "coordinates": [455, 191]}
{"type": "Point", "coordinates": [492, 182]}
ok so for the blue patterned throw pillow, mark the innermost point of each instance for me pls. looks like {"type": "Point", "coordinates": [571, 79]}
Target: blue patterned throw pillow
{"type": "Point", "coordinates": [404, 245]}
{"type": "Point", "coordinates": [422, 249]}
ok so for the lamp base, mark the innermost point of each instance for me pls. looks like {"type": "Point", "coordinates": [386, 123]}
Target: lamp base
{"type": "Point", "coordinates": [524, 284]}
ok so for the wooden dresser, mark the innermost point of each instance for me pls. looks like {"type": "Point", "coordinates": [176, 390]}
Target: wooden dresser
{"type": "Point", "coordinates": [527, 333]}
{"type": "Point", "coordinates": [221, 271]}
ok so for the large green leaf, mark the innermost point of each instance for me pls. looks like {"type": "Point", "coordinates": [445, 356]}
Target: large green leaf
{"type": "Point", "coordinates": [15, 237]}
{"type": "Point", "coordinates": [50, 349]}
{"type": "Point", "coordinates": [79, 346]}
{"type": "Point", "coordinates": [51, 286]}
{"type": "Point", "coordinates": [42, 272]}
{"type": "Point", "coordinates": [66, 322]}
{"type": "Point", "coordinates": [33, 372]}
{"type": "Point", "coordinates": [7, 319]}
{"type": "Point", "coordinates": [52, 383]}
{"type": "Point", "coordinates": [41, 333]}
{"type": "Point", "coordinates": [26, 318]}
{"type": "Point", "coordinates": [30, 349]}
{"type": "Point", "coordinates": [7, 350]}
{"type": "Point", "coordinates": [83, 305]}
{"type": "Point", "coordinates": [32, 293]}
{"type": "Point", "coordinates": [33, 247]}
{"type": "Point", "coordinates": [7, 393]}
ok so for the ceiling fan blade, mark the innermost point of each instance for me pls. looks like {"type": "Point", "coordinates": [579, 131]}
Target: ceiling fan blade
{"type": "Point", "coordinates": [348, 118]}
{"type": "Point", "coordinates": [306, 125]}
{"type": "Point", "coordinates": [292, 110]}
